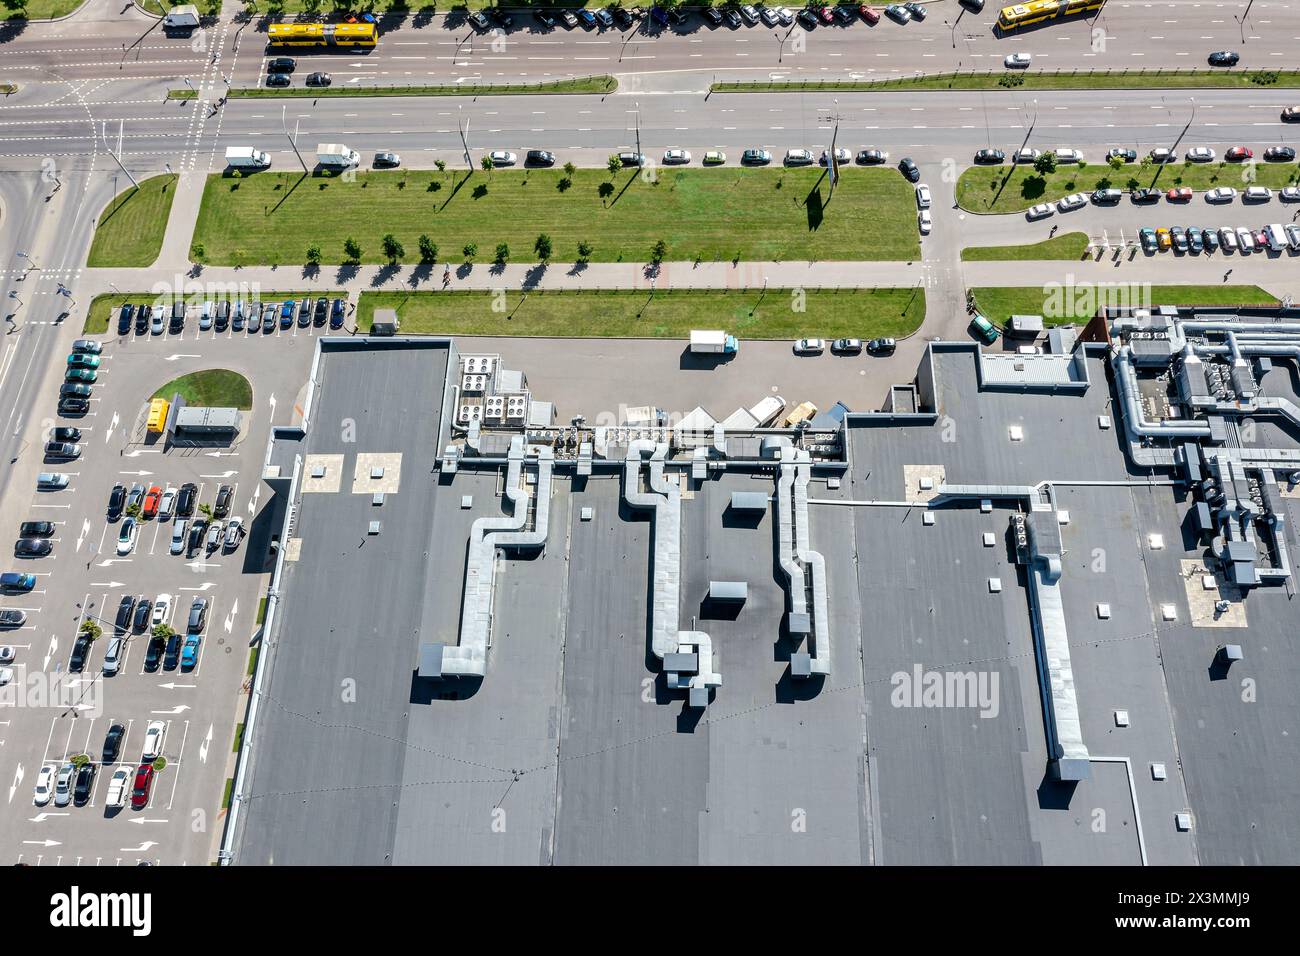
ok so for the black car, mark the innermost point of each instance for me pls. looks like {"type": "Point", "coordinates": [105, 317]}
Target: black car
{"type": "Point", "coordinates": [66, 433]}
{"type": "Point", "coordinates": [1224, 58]}
{"type": "Point", "coordinates": [172, 655]}
{"type": "Point", "coordinates": [177, 323]}
{"type": "Point", "coordinates": [116, 502]}
{"type": "Point", "coordinates": [320, 311]}
{"type": "Point", "coordinates": [223, 315]}
{"type": "Point", "coordinates": [1128, 155]}
{"type": "Point", "coordinates": [909, 169]}
{"type": "Point", "coordinates": [278, 79]}
{"type": "Point", "coordinates": [500, 18]}
{"type": "Point", "coordinates": [36, 529]}
{"type": "Point", "coordinates": [881, 346]}
{"type": "Point", "coordinates": [319, 79]}
{"type": "Point", "coordinates": [846, 15]}
{"type": "Point", "coordinates": [917, 10]}
{"type": "Point", "coordinates": [386, 160]}
{"type": "Point", "coordinates": [73, 406]}
{"type": "Point", "coordinates": [142, 316]}
{"type": "Point", "coordinates": [989, 156]}
{"type": "Point", "coordinates": [85, 785]}
{"type": "Point", "coordinates": [197, 530]}
{"type": "Point", "coordinates": [113, 743]}
{"type": "Point", "coordinates": [807, 18]}
{"type": "Point", "coordinates": [33, 547]}
{"type": "Point", "coordinates": [870, 157]}
{"type": "Point", "coordinates": [304, 313]}
{"type": "Point", "coordinates": [1148, 195]}
{"type": "Point", "coordinates": [338, 310]}
{"type": "Point", "coordinates": [198, 616]}
{"type": "Point", "coordinates": [539, 157]}
{"type": "Point", "coordinates": [154, 652]}
{"type": "Point", "coordinates": [124, 317]}
{"type": "Point", "coordinates": [712, 15]}
{"type": "Point", "coordinates": [75, 389]}
{"type": "Point", "coordinates": [545, 19]}
{"type": "Point", "coordinates": [80, 651]}
{"type": "Point", "coordinates": [281, 64]}
{"type": "Point", "coordinates": [1279, 154]}
{"type": "Point", "coordinates": [624, 18]}
{"type": "Point", "coordinates": [974, 6]}
{"type": "Point", "coordinates": [61, 449]}
{"type": "Point", "coordinates": [125, 608]}
{"type": "Point", "coordinates": [186, 499]}
{"type": "Point", "coordinates": [143, 612]}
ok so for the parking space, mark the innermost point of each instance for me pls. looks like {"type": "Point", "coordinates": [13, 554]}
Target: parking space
{"type": "Point", "coordinates": [64, 695]}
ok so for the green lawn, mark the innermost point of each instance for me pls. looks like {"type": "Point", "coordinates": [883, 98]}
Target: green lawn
{"type": "Point", "coordinates": [581, 84]}
{"type": "Point", "coordinates": [158, 8]}
{"type": "Point", "coordinates": [997, 189]}
{"type": "Point", "coordinates": [37, 9]}
{"type": "Point", "coordinates": [1035, 80]}
{"type": "Point", "coordinates": [1078, 304]}
{"type": "Point", "coordinates": [213, 386]}
{"type": "Point", "coordinates": [129, 232]}
{"type": "Point", "coordinates": [1071, 245]}
{"type": "Point", "coordinates": [102, 314]}
{"type": "Point", "coordinates": [713, 214]}
{"type": "Point", "coordinates": [777, 314]}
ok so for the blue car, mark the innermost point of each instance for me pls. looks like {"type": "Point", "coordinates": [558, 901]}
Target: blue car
{"type": "Point", "coordinates": [17, 581]}
{"type": "Point", "coordinates": [586, 18]}
{"type": "Point", "coordinates": [286, 313]}
{"type": "Point", "coordinates": [190, 651]}
{"type": "Point", "coordinates": [336, 314]}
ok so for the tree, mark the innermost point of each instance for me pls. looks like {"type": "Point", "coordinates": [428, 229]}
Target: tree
{"type": "Point", "coordinates": [313, 255]}
{"type": "Point", "coordinates": [503, 253]}
{"type": "Point", "coordinates": [1116, 163]}
{"type": "Point", "coordinates": [352, 248]}
{"type": "Point", "coordinates": [441, 164]}
{"type": "Point", "coordinates": [570, 169]}
{"type": "Point", "coordinates": [133, 511]}
{"type": "Point", "coordinates": [487, 164]}
{"type": "Point", "coordinates": [584, 251]}
{"type": "Point", "coordinates": [470, 250]}
{"type": "Point", "coordinates": [205, 509]}
{"type": "Point", "coordinates": [1046, 163]}
{"type": "Point", "coordinates": [161, 630]}
{"type": "Point", "coordinates": [658, 251]}
{"type": "Point", "coordinates": [90, 629]}
{"type": "Point", "coordinates": [428, 249]}
{"type": "Point", "coordinates": [542, 246]}
{"type": "Point", "coordinates": [198, 251]}
{"type": "Point", "coordinates": [614, 165]}
{"type": "Point", "coordinates": [393, 249]}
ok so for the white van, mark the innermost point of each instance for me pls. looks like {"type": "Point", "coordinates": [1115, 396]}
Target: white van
{"type": "Point", "coordinates": [1276, 237]}
{"type": "Point", "coordinates": [246, 157]}
{"type": "Point", "coordinates": [113, 655]}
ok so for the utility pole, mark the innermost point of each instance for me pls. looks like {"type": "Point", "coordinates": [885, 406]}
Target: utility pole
{"type": "Point", "coordinates": [293, 140]}
{"type": "Point", "coordinates": [463, 129]}
{"type": "Point", "coordinates": [111, 152]}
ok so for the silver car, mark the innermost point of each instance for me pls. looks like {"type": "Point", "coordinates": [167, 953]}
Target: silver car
{"type": "Point", "coordinates": [63, 785]}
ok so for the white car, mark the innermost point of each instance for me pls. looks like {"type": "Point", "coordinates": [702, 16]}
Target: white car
{"type": "Point", "coordinates": [167, 506]}
{"type": "Point", "coordinates": [153, 741]}
{"type": "Point", "coordinates": [923, 222]}
{"type": "Point", "coordinates": [677, 157]}
{"type": "Point", "coordinates": [1293, 235]}
{"type": "Point", "coordinates": [63, 785]}
{"type": "Point", "coordinates": [1017, 61]}
{"type": "Point", "coordinates": [1200, 154]}
{"type": "Point", "coordinates": [119, 786]}
{"type": "Point", "coordinates": [44, 785]}
{"type": "Point", "coordinates": [1228, 238]}
{"type": "Point", "coordinates": [179, 527]}
{"type": "Point", "coordinates": [923, 196]}
{"type": "Point", "coordinates": [842, 156]}
{"type": "Point", "coordinates": [809, 347]}
{"type": "Point", "coordinates": [1072, 201]}
{"type": "Point", "coordinates": [234, 531]}
{"type": "Point", "coordinates": [215, 532]}
{"type": "Point", "coordinates": [715, 157]}
{"type": "Point", "coordinates": [1068, 156]}
{"type": "Point", "coordinates": [126, 538]}
{"type": "Point", "coordinates": [1257, 194]}
{"type": "Point", "coordinates": [502, 157]}
{"type": "Point", "coordinates": [1041, 211]}
{"type": "Point", "coordinates": [162, 610]}
{"type": "Point", "coordinates": [1220, 194]}
{"type": "Point", "coordinates": [798, 157]}
{"type": "Point", "coordinates": [1245, 239]}
{"type": "Point", "coordinates": [1289, 194]}
{"type": "Point", "coordinates": [1026, 155]}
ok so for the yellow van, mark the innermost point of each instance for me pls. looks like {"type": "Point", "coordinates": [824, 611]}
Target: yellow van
{"type": "Point", "coordinates": [158, 408]}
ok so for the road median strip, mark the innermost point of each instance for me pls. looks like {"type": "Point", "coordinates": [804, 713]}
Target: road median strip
{"type": "Point", "coordinates": [588, 85]}
{"type": "Point", "coordinates": [1031, 80]}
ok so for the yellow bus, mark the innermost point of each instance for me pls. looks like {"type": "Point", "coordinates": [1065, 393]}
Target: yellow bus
{"type": "Point", "coordinates": [1038, 11]}
{"type": "Point", "coordinates": [352, 36]}
{"type": "Point", "coordinates": [158, 409]}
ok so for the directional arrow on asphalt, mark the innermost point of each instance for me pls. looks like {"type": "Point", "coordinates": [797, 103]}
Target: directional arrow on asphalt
{"type": "Point", "coordinates": [142, 820]}
{"type": "Point", "coordinates": [49, 654]}
{"type": "Point", "coordinates": [107, 561]}
{"type": "Point", "coordinates": [137, 452]}
{"type": "Point", "coordinates": [202, 587]}
{"type": "Point", "coordinates": [143, 847]}
{"type": "Point", "coordinates": [224, 474]}
{"type": "Point", "coordinates": [252, 502]}
{"type": "Point", "coordinates": [18, 778]}
{"type": "Point", "coordinates": [203, 747]}
{"type": "Point", "coordinates": [111, 425]}
{"type": "Point", "coordinates": [173, 358]}
{"type": "Point", "coordinates": [221, 454]}
{"type": "Point", "coordinates": [138, 474]}
{"type": "Point", "coordinates": [44, 843]}
{"type": "Point", "coordinates": [85, 530]}
{"type": "Point", "coordinates": [230, 618]}
{"type": "Point", "coordinates": [45, 815]}
{"type": "Point", "coordinates": [197, 565]}
{"type": "Point", "coordinates": [172, 685]}
{"type": "Point", "coordinates": [178, 709]}
{"type": "Point", "coordinates": [105, 584]}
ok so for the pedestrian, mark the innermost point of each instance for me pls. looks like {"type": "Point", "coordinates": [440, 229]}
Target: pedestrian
{"type": "Point", "coordinates": [1226, 274]}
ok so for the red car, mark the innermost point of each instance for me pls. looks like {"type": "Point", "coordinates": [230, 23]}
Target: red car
{"type": "Point", "coordinates": [869, 14]}
{"type": "Point", "coordinates": [150, 507]}
{"type": "Point", "coordinates": [826, 14]}
{"type": "Point", "coordinates": [143, 781]}
{"type": "Point", "coordinates": [1238, 153]}
{"type": "Point", "coordinates": [1179, 194]}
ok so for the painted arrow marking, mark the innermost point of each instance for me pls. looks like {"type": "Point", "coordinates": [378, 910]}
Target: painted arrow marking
{"type": "Point", "coordinates": [138, 474]}
{"type": "Point", "coordinates": [107, 561]}
{"type": "Point", "coordinates": [203, 747]}
{"type": "Point", "coordinates": [18, 779]}
{"type": "Point", "coordinates": [230, 618]}
{"type": "Point", "coordinates": [111, 425]}
{"type": "Point", "coordinates": [142, 848]}
{"type": "Point", "coordinates": [221, 454]}
{"type": "Point", "coordinates": [106, 584]}
{"type": "Point", "coordinates": [178, 709]}
{"type": "Point", "coordinates": [49, 654]}
{"type": "Point", "coordinates": [224, 474]}
{"type": "Point", "coordinates": [172, 685]}
{"type": "Point", "coordinates": [45, 815]}
{"type": "Point", "coordinates": [180, 355]}
{"type": "Point", "coordinates": [44, 843]}
{"type": "Point", "coordinates": [137, 452]}
{"type": "Point", "coordinates": [142, 820]}
{"type": "Point", "coordinates": [85, 530]}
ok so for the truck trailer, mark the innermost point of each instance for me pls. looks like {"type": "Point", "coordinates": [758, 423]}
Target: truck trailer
{"type": "Point", "coordinates": [713, 341]}
{"type": "Point", "coordinates": [246, 157]}
{"type": "Point", "coordinates": [337, 156]}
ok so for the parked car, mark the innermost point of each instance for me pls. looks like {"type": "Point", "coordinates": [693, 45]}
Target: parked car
{"type": "Point", "coordinates": [275, 80]}
{"type": "Point", "coordinates": [846, 346]}
{"type": "Point", "coordinates": [53, 480]}
{"type": "Point", "coordinates": [85, 784]}
{"type": "Point", "coordinates": [924, 222]}
{"type": "Point", "coordinates": [798, 157]}
{"type": "Point", "coordinates": [1107, 197]}
{"type": "Point", "coordinates": [842, 156]}
{"type": "Point", "coordinates": [714, 157]}
{"type": "Point", "coordinates": [80, 651]}
{"type": "Point", "coordinates": [12, 617]}
{"type": "Point", "coordinates": [234, 534]}
{"type": "Point", "coordinates": [1147, 195]}
{"type": "Point", "coordinates": [909, 169]}
{"type": "Point", "coordinates": [1179, 194]}
{"type": "Point", "coordinates": [923, 196]}
{"type": "Point", "coordinates": [386, 160]}
{"type": "Point", "coordinates": [1279, 154]}
{"type": "Point", "coordinates": [152, 498]}
{"type": "Point", "coordinates": [872, 157]}
{"type": "Point", "coordinates": [198, 618]}
{"type": "Point", "coordinates": [63, 784]}
{"type": "Point", "coordinates": [1068, 155]}
{"type": "Point", "coordinates": [989, 156]}
{"type": "Point", "coordinates": [881, 346]}
{"type": "Point", "coordinates": [983, 329]}
{"type": "Point", "coordinates": [319, 79]}
{"type": "Point", "coordinates": [677, 157]}
{"type": "Point", "coordinates": [126, 537]}
{"type": "Point", "coordinates": [190, 651]}
{"type": "Point", "coordinates": [1026, 155]}
{"type": "Point", "coordinates": [162, 610]}
{"type": "Point", "coordinates": [33, 547]}
{"type": "Point", "coordinates": [1017, 61]}
{"type": "Point", "coordinates": [1040, 211]}
{"type": "Point", "coordinates": [154, 652]}
{"type": "Point", "coordinates": [221, 508]}
{"type": "Point", "coordinates": [1220, 194]}
{"type": "Point", "coordinates": [337, 313]}
{"type": "Point", "coordinates": [1237, 154]}
{"type": "Point", "coordinates": [143, 614]}
{"type": "Point", "coordinates": [1200, 154]}
{"type": "Point", "coordinates": [45, 784]}
{"type": "Point", "coordinates": [1257, 194]}
{"type": "Point", "coordinates": [17, 581]}
{"type": "Point", "coordinates": [539, 157]}
{"type": "Point", "coordinates": [1119, 152]}
{"type": "Point", "coordinates": [125, 611]}
{"type": "Point", "coordinates": [502, 157]}
{"type": "Point", "coordinates": [186, 499]}
{"type": "Point", "coordinates": [755, 157]}
{"type": "Point", "coordinates": [898, 13]}
{"type": "Point", "coordinates": [809, 346]}
{"type": "Point", "coordinates": [167, 504]}
{"type": "Point", "coordinates": [1224, 58]}
{"type": "Point", "coordinates": [119, 785]}
{"type": "Point", "coordinates": [154, 734]}
{"type": "Point", "coordinates": [140, 788]}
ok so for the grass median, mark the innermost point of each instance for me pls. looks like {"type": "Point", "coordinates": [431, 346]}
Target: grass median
{"type": "Point", "coordinates": [698, 214]}
{"type": "Point", "coordinates": [746, 313]}
{"type": "Point", "coordinates": [38, 9]}
{"type": "Point", "coordinates": [129, 232]}
{"type": "Point", "coordinates": [1001, 189]}
{"type": "Point", "coordinates": [1064, 305]}
{"type": "Point", "coordinates": [580, 84]}
{"type": "Point", "coordinates": [218, 387]}
{"type": "Point", "coordinates": [1071, 245]}
{"type": "Point", "coordinates": [1031, 81]}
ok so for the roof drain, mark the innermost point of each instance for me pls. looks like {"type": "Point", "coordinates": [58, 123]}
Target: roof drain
{"type": "Point", "coordinates": [687, 656]}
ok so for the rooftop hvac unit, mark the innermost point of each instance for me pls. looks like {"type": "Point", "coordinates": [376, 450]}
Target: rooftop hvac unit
{"type": "Point", "coordinates": [516, 407]}
{"type": "Point", "coordinates": [494, 408]}
{"type": "Point", "coordinates": [478, 365]}
{"type": "Point", "coordinates": [473, 384]}
{"type": "Point", "coordinates": [470, 412]}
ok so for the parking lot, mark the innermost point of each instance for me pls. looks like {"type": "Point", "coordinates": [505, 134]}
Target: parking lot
{"type": "Point", "coordinates": [52, 712]}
